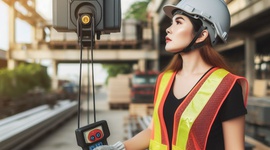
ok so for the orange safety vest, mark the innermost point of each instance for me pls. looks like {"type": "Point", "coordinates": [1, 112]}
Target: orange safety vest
{"type": "Point", "coordinates": [195, 115]}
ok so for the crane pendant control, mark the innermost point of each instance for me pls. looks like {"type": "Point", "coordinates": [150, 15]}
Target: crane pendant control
{"type": "Point", "coordinates": [93, 135]}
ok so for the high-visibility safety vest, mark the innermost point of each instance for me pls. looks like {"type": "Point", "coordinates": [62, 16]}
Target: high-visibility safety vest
{"type": "Point", "coordinates": [195, 115]}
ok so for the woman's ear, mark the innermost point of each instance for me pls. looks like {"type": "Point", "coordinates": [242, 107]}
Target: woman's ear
{"type": "Point", "coordinates": [203, 36]}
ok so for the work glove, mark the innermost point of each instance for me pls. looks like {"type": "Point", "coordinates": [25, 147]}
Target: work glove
{"type": "Point", "coordinates": [117, 146]}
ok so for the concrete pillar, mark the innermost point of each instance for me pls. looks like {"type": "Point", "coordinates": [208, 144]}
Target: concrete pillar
{"type": "Point", "coordinates": [250, 49]}
{"type": "Point", "coordinates": [156, 18]}
{"type": "Point", "coordinates": [54, 75]}
{"type": "Point", "coordinates": [11, 63]}
{"type": "Point", "coordinates": [37, 31]}
{"type": "Point", "coordinates": [142, 65]}
{"type": "Point", "coordinates": [156, 29]}
{"type": "Point", "coordinates": [155, 65]}
{"type": "Point", "coordinates": [34, 39]}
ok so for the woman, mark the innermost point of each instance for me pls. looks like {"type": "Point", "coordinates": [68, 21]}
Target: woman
{"type": "Point", "coordinates": [198, 103]}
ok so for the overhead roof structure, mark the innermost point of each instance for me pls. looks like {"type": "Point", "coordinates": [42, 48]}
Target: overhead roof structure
{"type": "Point", "coordinates": [26, 10]}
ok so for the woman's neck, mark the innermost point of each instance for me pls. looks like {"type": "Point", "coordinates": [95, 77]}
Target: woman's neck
{"type": "Point", "coordinates": [193, 64]}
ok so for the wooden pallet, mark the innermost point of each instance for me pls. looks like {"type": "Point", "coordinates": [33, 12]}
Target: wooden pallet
{"type": "Point", "coordinates": [140, 109]}
{"type": "Point", "coordinates": [114, 106]}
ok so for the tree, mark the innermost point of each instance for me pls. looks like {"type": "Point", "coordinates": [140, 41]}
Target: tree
{"type": "Point", "coordinates": [25, 77]}
{"type": "Point", "coordinates": [138, 10]}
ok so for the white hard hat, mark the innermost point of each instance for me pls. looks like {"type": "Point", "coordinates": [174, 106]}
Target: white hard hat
{"type": "Point", "coordinates": [214, 15]}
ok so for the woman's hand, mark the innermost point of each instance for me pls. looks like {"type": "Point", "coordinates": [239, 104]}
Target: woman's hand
{"type": "Point", "coordinates": [117, 146]}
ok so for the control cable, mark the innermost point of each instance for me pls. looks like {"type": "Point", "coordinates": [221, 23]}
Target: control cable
{"type": "Point", "coordinates": [80, 38]}
{"type": "Point", "coordinates": [94, 134]}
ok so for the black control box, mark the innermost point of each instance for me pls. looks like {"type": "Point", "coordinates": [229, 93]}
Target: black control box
{"type": "Point", "coordinates": [93, 135]}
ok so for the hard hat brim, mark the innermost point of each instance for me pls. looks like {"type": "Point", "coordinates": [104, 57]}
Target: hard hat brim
{"type": "Point", "coordinates": [168, 10]}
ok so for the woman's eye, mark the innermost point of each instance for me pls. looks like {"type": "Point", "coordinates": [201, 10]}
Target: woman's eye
{"type": "Point", "coordinates": [178, 22]}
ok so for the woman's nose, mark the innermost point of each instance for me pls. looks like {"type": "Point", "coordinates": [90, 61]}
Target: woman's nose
{"type": "Point", "coordinates": [168, 30]}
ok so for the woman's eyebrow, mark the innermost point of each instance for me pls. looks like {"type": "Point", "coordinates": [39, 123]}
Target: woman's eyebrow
{"type": "Point", "coordinates": [177, 18]}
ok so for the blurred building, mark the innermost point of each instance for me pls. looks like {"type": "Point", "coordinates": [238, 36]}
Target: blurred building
{"type": "Point", "coordinates": [143, 44]}
{"type": "Point", "coordinates": [132, 45]}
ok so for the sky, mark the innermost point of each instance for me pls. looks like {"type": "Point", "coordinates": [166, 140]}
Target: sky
{"type": "Point", "coordinates": [23, 35]}
{"type": "Point", "coordinates": [3, 26]}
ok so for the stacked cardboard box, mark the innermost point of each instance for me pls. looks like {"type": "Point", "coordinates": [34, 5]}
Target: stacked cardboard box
{"type": "Point", "coordinates": [119, 89]}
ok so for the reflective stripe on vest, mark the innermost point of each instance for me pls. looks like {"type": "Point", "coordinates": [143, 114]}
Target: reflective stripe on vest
{"type": "Point", "coordinates": [201, 104]}
{"type": "Point", "coordinates": [161, 92]}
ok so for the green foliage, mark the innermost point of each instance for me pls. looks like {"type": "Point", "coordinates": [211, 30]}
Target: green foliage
{"type": "Point", "coordinates": [138, 10]}
{"type": "Point", "coordinates": [6, 83]}
{"type": "Point", "coordinates": [15, 83]}
{"type": "Point", "coordinates": [115, 69]}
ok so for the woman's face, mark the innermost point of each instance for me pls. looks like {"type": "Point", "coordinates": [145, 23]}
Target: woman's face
{"type": "Point", "coordinates": [179, 34]}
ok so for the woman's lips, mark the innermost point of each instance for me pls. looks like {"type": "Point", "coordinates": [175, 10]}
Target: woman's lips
{"type": "Point", "coordinates": [168, 39]}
